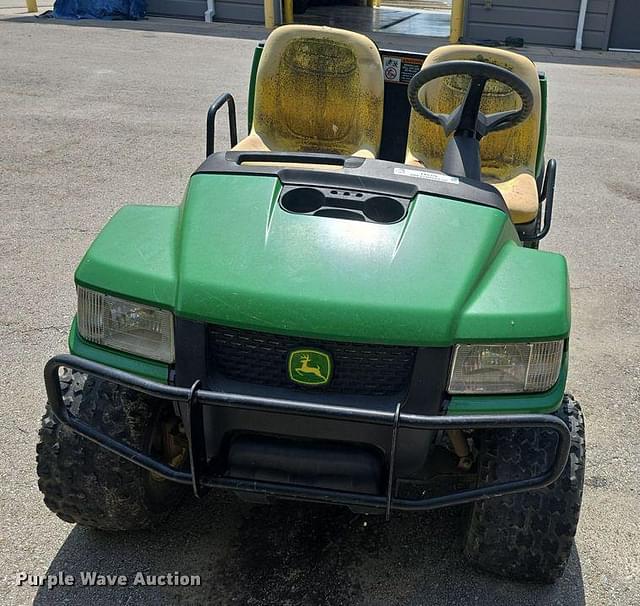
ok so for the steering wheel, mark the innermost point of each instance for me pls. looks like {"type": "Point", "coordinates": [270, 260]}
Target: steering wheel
{"type": "Point", "coordinates": [467, 117]}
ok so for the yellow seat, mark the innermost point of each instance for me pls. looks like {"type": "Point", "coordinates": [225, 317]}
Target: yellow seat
{"type": "Point", "coordinates": [509, 156]}
{"type": "Point", "coordinates": [318, 89]}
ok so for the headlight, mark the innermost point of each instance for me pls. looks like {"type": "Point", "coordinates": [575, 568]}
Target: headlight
{"type": "Point", "coordinates": [131, 327]}
{"type": "Point", "coordinates": [505, 368]}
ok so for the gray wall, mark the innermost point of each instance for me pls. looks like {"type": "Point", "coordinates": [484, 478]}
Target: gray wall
{"type": "Point", "coordinates": [188, 9]}
{"type": "Point", "coordinates": [625, 25]}
{"type": "Point", "coordinates": [546, 22]}
{"type": "Point", "coordinates": [241, 11]}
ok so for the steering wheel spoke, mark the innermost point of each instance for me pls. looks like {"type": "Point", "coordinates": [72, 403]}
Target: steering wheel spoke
{"type": "Point", "coordinates": [451, 121]}
{"type": "Point", "coordinates": [498, 120]}
{"type": "Point", "coordinates": [471, 105]}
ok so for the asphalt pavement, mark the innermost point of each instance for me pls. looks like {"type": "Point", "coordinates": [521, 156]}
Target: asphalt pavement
{"type": "Point", "coordinates": [93, 118]}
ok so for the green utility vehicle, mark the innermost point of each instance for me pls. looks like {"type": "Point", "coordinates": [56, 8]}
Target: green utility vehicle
{"type": "Point", "coordinates": [348, 307]}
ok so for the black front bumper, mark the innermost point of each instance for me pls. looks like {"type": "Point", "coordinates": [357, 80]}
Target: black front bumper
{"type": "Point", "coordinates": [194, 399]}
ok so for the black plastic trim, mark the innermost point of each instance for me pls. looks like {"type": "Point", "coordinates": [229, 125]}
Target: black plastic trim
{"type": "Point", "coordinates": [428, 381]}
{"type": "Point", "coordinates": [190, 339]}
{"type": "Point", "coordinates": [370, 175]}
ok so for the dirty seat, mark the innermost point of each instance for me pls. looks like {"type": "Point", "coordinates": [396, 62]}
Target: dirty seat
{"type": "Point", "coordinates": [318, 89]}
{"type": "Point", "coordinates": [509, 156]}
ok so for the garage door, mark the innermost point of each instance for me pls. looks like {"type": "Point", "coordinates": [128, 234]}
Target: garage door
{"type": "Point", "coordinates": [625, 28]}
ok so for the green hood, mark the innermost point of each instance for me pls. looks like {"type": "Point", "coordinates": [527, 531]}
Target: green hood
{"type": "Point", "coordinates": [450, 271]}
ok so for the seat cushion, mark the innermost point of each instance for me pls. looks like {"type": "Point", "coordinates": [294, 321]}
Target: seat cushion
{"type": "Point", "coordinates": [521, 196]}
{"type": "Point", "coordinates": [253, 142]}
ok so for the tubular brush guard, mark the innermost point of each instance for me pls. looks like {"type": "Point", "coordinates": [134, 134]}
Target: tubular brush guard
{"type": "Point", "coordinates": [196, 398]}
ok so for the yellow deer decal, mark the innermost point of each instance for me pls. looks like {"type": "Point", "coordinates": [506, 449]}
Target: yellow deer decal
{"type": "Point", "coordinates": [309, 370]}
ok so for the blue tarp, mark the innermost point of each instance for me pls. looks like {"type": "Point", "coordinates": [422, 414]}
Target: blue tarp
{"type": "Point", "coordinates": [99, 9]}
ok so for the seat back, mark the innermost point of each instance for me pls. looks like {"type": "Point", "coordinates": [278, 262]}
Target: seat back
{"type": "Point", "coordinates": [504, 154]}
{"type": "Point", "coordinates": [319, 89]}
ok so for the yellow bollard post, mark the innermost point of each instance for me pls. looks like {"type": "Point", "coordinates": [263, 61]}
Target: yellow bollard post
{"type": "Point", "coordinates": [269, 14]}
{"type": "Point", "coordinates": [457, 21]}
{"type": "Point", "coordinates": [32, 6]}
{"type": "Point", "coordinates": [287, 11]}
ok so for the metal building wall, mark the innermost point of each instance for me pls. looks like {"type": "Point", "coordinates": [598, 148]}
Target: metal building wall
{"type": "Point", "coordinates": [239, 11]}
{"type": "Point", "coordinates": [187, 9]}
{"type": "Point", "coordinates": [546, 22]}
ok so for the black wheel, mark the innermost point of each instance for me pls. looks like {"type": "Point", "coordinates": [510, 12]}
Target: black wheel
{"type": "Point", "coordinates": [528, 536]}
{"type": "Point", "coordinates": [86, 484]}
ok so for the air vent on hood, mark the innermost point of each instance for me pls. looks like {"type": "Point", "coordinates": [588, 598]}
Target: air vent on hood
{"type": "Point", "coordinates": [343, 204]}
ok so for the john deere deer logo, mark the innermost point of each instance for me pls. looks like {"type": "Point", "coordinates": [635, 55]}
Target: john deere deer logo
{"type": "Point", "coordinates": [310, 367]}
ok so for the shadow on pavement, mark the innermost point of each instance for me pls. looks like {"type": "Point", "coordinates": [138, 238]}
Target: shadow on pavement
{"type": "Point", "coordinates": [294, 553]}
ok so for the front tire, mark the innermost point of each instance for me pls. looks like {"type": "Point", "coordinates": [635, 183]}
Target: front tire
{"type": "Point", "coordinates": [86, 484]}
{"type": "Point", "coordinates": [528, 536]}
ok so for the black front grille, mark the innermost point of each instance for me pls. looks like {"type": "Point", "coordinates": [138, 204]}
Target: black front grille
{"type": "Point", "coordinates": [358, 368]}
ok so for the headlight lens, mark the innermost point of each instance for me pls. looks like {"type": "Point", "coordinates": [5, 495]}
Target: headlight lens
{"type": "Point", "coordinates": [125, 325]}
{"type": "Point", "coordinates": [505, 368]}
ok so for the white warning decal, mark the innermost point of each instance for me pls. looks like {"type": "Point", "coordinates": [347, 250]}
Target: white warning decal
{"type": "Point", "coordinates": [391, 67]}
{"type": "Point", "coordinates": [400, 69]}
{"type": "Point", "coordinates": [424, 174]}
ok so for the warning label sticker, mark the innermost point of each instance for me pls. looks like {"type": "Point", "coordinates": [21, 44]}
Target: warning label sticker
{"type": "Point", "coordinates": [424, 174]}
{"type": "Point", "coordinates": [400, 69]}
{"type": "Point", "coordinates": [391, 67]}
